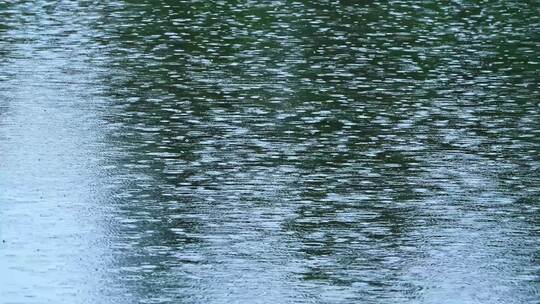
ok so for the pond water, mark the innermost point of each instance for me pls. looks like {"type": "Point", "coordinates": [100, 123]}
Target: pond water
{"type": "Point", "coordinates": [269, 151]}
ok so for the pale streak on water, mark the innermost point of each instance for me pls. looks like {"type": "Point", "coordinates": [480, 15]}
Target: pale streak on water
{"type": "Point", "coordinates": [269, 152]}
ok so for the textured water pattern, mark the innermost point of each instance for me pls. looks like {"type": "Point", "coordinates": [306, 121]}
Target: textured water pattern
{"type": "Point", "coordinates": [269, 151]}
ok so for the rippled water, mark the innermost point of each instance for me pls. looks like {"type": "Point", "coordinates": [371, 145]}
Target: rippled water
{"type": "Point", "coordinates": [269, 151]}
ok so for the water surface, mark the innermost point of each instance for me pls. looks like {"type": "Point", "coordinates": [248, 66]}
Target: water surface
{"type": "Point", "coordinates": [269, 151]}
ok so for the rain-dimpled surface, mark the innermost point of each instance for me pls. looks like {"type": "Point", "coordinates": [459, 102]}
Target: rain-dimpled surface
{"type": "Point", "coordinates": [269, 151]}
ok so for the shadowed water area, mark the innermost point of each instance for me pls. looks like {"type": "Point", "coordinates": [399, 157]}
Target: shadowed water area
{"type": "Point", "coordinates": [269, 151]}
